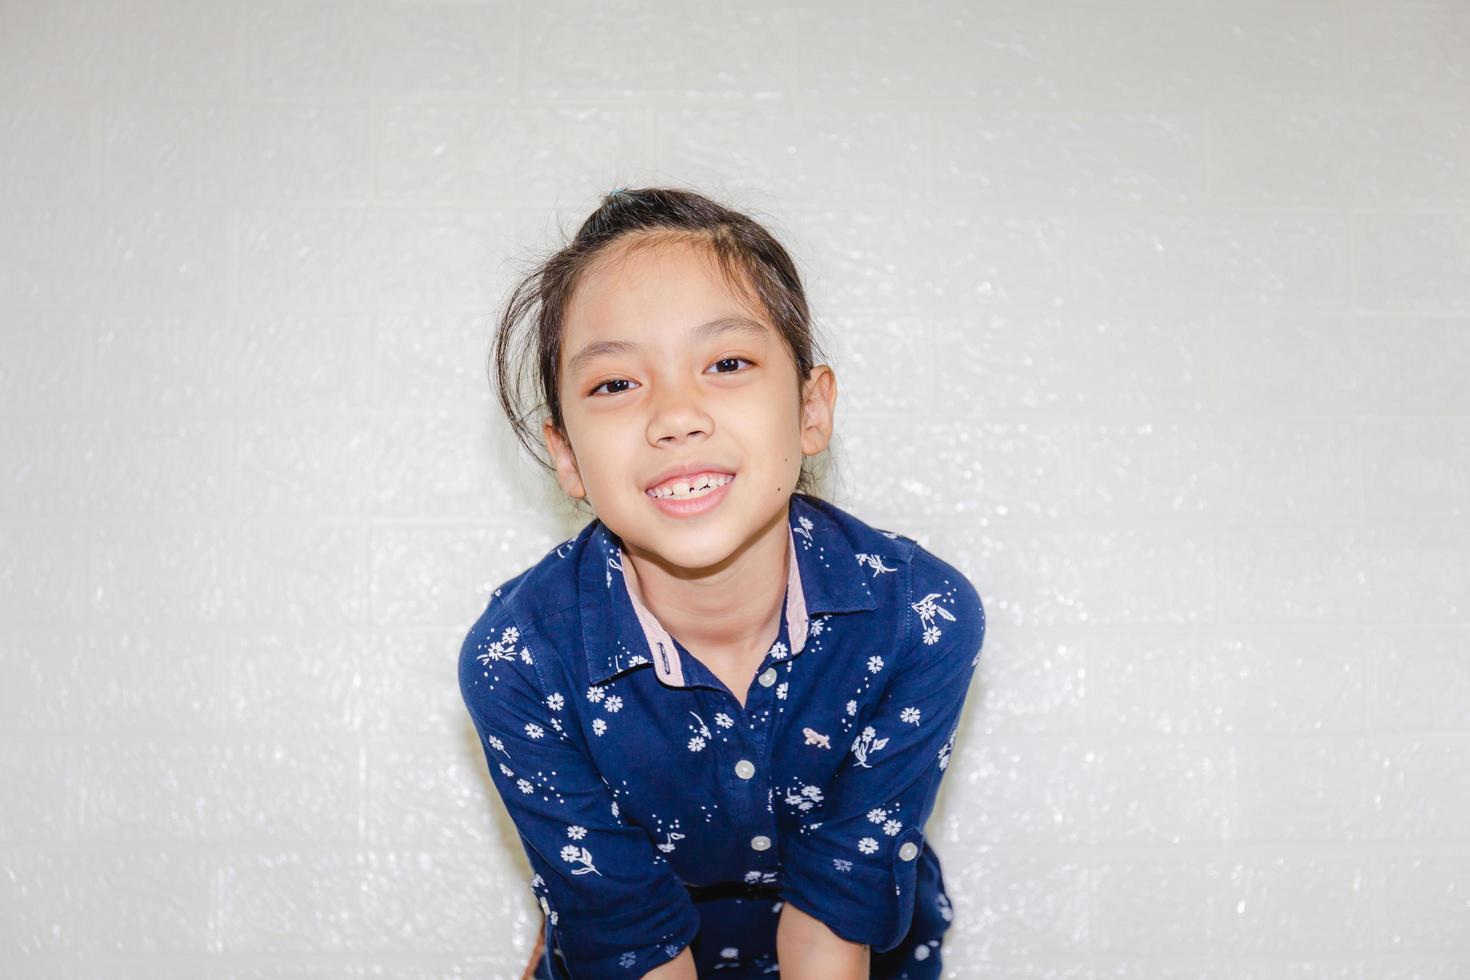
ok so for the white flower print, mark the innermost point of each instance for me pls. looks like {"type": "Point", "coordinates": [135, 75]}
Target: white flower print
{"type": "Point", "coordinates": [805, 528]}
{"type": "Point", "coordinates": [534, 730]}
{"type": "Point", "coordinates": [525, 655]}
{"type": "Point", "coordinates": [730, 952]}
{"type": "Point", "coordinates": [724, 720]}
{"type": "Point", "coordinates": [555, 702]}
{"type": "Point", "coordinates": [669, 837]}
{"type": "Point", "coordinates": [945, 749]}
{"type": "Point", "coordinates": [537, 881]}
{"type": "Point", "coordinates": [927, 610]}
{"type": "Point", "coordinates": [595, 694]}
{"type": "Point", "coordinates": [877, 814]}
{"type": "Point", "coordinates": [599, 726]}
{"type": "Point", "coordinates": [556, 723]}
{"type": "Point", "coordinates": [525, 785]}
{"type": "Point", "coordinates": [867, 845]}
{"type": "Point", "coordinates": [816, 626]}
{"type": "Point", "coordinates": [506, 769]}
{"type": "Point", "coordinates": [875, 562]}
{"type": "Point", "coordinates": [892, 827]}
{"type": "Point", "coordinates": [778, 651]}
{"type": "Point", "coordinates": [781, 691]}
{"type": "Point", "coordinates": [502, 649]}
{"type": "Point", "coordinates": [615, 807]}
{"type": "Point", "coordinates": [572, 854]}
{"type": "Point", "coordinates": [875, 664]}
{"type": "Point", "coordinates": [910, 715]}
{"type": "Point", "coordinates": [613, 703]}
{"type": "Point", "coordinates": [809, 797]}
{"type": "Point", "coordinates": [576, 833]}
{"type": "Point", "coordinates": [637, 659]}
{"type": "Point", "coordinates": [496, 743]}
{"type": "Point", "coordinates": [696, 744]}
{"type": "Point", "coordinates": [866, 745]}
{"type": "Point", "coordinates": [627, 960]}
{"type": "Point", "coordinates": [842, 864]}
{"type": "Point", "coordinates": [852, 707]}
{"type": "Point", "coordinates": [752, 877]}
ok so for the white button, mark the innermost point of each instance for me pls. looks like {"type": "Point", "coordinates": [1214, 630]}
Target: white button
{"type": "Point", "coordinates": [769, 677]}
{"type": "Point", "coordinates": [744, 769]}
{"type": "Point", "coordinates": [909, 851]}
{"type": "Point", "coordinates": [760, 843]}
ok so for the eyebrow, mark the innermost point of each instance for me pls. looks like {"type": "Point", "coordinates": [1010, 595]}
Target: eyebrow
{"type": "Point", "coordinates": [714, 328]}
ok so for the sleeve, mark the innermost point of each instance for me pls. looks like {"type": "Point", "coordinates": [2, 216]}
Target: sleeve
{"type": "Point", "coordinates": [613, 901]}
{"type": "Point", "coordinates": [856, 868]}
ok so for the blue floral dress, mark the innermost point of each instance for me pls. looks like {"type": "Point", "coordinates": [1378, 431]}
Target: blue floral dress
{"type": "Point", "coordinates": [658, 813]}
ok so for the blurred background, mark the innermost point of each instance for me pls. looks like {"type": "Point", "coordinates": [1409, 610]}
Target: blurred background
{"type": "Point", "coordinates": [1153, 316]}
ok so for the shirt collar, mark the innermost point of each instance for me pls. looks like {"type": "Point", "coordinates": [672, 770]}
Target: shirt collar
{"type": "Point", "coordinates": [620, 632]}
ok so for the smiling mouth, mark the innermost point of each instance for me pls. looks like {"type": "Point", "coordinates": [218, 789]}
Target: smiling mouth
{"type": "Point", "coordinates": [690, 489]}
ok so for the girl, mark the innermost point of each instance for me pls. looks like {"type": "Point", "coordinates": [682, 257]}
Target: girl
{"type": "Point", "coordinates": [719, 714]}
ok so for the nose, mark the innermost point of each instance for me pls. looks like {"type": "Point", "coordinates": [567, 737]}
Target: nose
{"type": "Point", "coordinates": [678, 416]}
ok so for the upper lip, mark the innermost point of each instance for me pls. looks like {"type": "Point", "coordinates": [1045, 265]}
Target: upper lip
{"type": "Point", "coordinates": [686, 470]}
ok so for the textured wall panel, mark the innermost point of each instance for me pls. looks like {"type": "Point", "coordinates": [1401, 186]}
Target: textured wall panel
{"type": "Point", "coordinates": [1153, 317]}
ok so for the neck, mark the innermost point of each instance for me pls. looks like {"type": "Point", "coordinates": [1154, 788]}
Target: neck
{"type": "Point", "coordinates": [728, 611]}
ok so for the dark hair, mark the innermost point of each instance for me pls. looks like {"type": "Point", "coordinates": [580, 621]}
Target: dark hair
{"type": "Point", "coordinates": [753, 264]}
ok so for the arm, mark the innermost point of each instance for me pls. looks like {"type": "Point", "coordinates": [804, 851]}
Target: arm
{"type": "Point", "coordinates": [855, 867]}
{"type": "Point", "coordinates": [613, 901]}
{"type": "Point", "coordinates": [808, 950]}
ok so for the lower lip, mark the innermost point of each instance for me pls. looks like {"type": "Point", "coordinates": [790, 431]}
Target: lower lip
{"type": "Point", "coordinates": [696, 505]}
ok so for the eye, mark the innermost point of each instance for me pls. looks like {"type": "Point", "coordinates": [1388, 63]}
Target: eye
{"type": "Point", "coordinates": [611, 381]}
{"type": "Point", "coordinates": [625, 381]}
{"type": "Point", "coordinates": [726, 360]}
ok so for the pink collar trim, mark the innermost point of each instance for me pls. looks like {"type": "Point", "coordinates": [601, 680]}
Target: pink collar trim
{"type": "Point", "coordinates": [661, 647]}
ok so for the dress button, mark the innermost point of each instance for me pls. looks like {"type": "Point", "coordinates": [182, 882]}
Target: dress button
{"type": "Point", "coordinates": [769, 677]}
{"type": "Point", "coordinates": [909, 851]}
{"type": "Point", "coordinates": [760, 842]}
{"type": "Point", "coordinates": [744, 769]}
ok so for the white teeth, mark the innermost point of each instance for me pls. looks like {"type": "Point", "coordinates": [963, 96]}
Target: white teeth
{"type": "Point", "coordinates": [683, 490]}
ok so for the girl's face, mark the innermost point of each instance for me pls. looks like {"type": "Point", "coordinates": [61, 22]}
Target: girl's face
{"type": "Point", "coordinates": [662, 365]}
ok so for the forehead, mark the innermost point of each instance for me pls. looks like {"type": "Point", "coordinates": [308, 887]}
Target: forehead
{"type": "Point", "coordinates": [651, 283]}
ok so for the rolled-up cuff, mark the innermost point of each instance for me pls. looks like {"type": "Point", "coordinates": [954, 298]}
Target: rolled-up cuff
{"type": "Point", "coordinates": [870, 903]}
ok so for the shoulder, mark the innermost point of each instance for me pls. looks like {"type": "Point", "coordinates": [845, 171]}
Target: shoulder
{"type": "Point", "coordinates": [524, 606]}
{"type": "Point", "coordinates": [946, 606]}
{"type": "Point", "coordinates": [864, 538]}
{"type": "Point", "coordinates": [934, 599]}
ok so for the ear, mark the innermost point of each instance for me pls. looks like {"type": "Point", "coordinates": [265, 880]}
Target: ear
{"type": "Point", "coordinates": [818, 403]}
{"type": "Point", "coordinates": [560, 449]}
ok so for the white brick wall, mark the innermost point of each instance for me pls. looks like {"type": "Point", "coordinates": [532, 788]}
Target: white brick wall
{"type": "Point", "coordinates": [1153, 315]}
